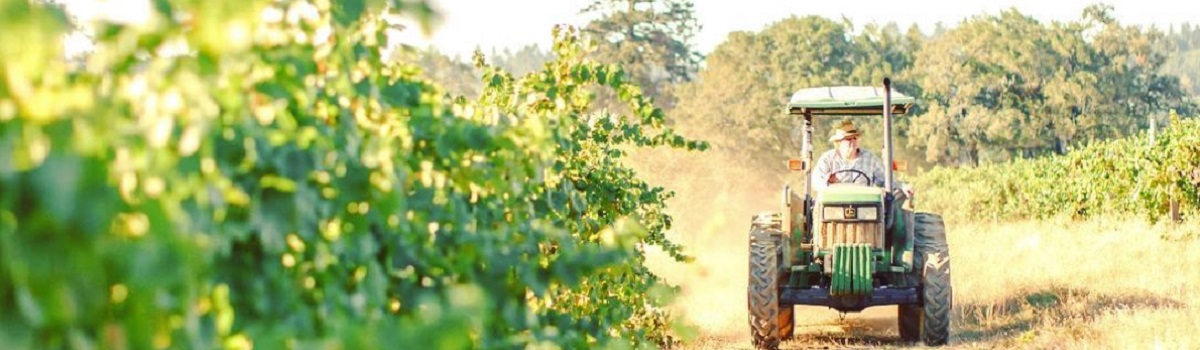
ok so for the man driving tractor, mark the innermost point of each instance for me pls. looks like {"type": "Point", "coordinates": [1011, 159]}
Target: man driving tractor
{"type": "Point", "coordinates": [846, 163]}
{"type": "Point", "coordinates": [856, 241]}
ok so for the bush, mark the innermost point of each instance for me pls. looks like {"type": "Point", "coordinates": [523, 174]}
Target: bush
{"type": "Point", "coordinates": [276, 187]}
{"type": "Point", "coordinates": [1126, 176]}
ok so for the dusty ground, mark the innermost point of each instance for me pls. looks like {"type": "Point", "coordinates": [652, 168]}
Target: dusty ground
{"type": "Point", "coordinates": [1057, 284]}
{"type": "Point", "coordinates": [1103, 283]}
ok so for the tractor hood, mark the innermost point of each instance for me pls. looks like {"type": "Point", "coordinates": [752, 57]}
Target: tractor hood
{"type": "Point", "coordinates": [850, 193]}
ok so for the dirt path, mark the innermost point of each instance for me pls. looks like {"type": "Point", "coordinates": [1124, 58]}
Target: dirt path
{"type": "Point", "coordinates": [1051, 284]}
{"type": "Point", "coordinates": [1109, 283]}
{"type": "Point", "coordinates": [822, 328]}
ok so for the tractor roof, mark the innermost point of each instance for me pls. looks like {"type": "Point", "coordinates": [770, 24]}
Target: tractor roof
{"type": "Point", "coordinates": [846, 100]}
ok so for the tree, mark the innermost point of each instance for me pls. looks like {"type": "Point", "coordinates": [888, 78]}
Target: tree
{"type": "Point", "coordinates": [1072, 100]}
{"type": "Point", "coordinates": [651, 39]}
{"type": "Point", "coordinates": [1186, 66]}
{"type": "Point", "coordinates": [738, 100]}
{"type": "Point", "coordinates": [887, 52]}
{"type": "Point", "coordinates": [1181, 47]}
{"type": "Point", "coordinates": [983, 83]}
{"type": "Point", "coordinates": [1130, 72]}
{"type": "Point", "coordinates": [1005, 86]}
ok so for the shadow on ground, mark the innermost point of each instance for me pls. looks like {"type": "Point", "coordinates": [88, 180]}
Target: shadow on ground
{"type": "Point", "coordinates": [1030, 309]}
{"type": "Point", "coordinates": [996, 323]}
{"type": "Point", "coordinates": [999, 323]}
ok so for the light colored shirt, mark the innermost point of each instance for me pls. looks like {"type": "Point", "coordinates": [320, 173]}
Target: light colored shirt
{"type": "Point", "coordinates": [866, 162]}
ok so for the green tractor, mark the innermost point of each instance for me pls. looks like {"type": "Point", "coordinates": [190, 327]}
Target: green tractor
{"type": "Point", "coordinates": [848, 246]}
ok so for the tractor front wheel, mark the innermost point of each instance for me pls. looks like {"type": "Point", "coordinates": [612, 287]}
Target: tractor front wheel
{"type": "Point", "coordinates": [938, 300]}
{"type": "Point", "coordinates": [933, 258]}
{"type": "Point", "coordinates": [763, 286]}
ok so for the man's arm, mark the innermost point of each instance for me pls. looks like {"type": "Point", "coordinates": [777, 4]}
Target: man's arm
{"type": "Point", "coordinates": [871, 165]}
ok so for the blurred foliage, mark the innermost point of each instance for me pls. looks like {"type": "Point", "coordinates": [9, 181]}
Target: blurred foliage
{"type": "Point", "coordinates": [1131, 176]}
{"type": "Point", "coordinates": [527, 59]}
{"type": "Point", "coordinates": [278, 183]}
{"type": "Point", "coordinates": [458, 77]}
{"type": "Point", "coordinates": [461, 78]}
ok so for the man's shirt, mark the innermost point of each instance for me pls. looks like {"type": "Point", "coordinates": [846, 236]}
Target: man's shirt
{"type": "Point", "coordinates": [831, 161]}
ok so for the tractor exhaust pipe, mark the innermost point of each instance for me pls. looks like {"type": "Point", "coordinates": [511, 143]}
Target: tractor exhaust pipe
{"type": "Point", "coordinates": [887, 134]}
{"type": "Point", "coordinates": [807, 153]}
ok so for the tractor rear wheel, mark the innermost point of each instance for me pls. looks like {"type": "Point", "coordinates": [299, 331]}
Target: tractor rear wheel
{"type": "Point", "coordinates": [933, 258]}
{"type": "Point", "coordinates": [908, 316]}
{"type": "Point", "coordinates": [763, 291]}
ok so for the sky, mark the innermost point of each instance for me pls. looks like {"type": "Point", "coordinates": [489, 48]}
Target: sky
{"type": "Point", "coordinates": [500, 24]}
{"type": "Point", "coordinates": [467, 24]}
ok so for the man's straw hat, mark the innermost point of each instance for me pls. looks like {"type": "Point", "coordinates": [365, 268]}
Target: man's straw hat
{"type": "Point", "coordinates": [845, 129]}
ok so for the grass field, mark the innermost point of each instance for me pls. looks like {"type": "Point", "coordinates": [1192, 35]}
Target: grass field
{"type": "Point", "coordinates": [1102, 283]}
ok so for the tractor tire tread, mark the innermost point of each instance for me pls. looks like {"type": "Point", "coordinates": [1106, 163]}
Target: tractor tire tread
{"type": "Point", "coordinates": [763, 293]}
{"type": "Point", "coordinates": [933, 258]}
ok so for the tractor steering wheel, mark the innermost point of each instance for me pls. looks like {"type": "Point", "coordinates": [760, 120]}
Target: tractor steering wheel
{"type": "Point", "coordinates": [859, 174]}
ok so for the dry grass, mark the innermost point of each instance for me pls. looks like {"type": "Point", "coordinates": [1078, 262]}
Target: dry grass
{"type": "Point", "coordinates": [1102, 283]}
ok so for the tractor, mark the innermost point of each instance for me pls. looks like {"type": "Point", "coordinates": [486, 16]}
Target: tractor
{"type": "Point", "coordinates": [848, 246]}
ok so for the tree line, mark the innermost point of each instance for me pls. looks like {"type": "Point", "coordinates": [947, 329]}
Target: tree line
{"type": "Point", "coordinates": [992, 87]}
{"type": "Point", "coordinates": [1182, 47]}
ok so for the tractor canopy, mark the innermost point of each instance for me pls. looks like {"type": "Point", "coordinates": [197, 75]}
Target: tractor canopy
{"type": "Point", "coordinates": [846, 101]}
{"type": "Point", "coordinates": [850, 193]}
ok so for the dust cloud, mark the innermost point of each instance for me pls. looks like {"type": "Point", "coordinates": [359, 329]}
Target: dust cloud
{"type": "Point", "coordinates": [715, 198]}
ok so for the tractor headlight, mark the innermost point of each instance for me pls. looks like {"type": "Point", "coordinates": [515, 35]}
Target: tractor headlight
{"type": "Point", "coordinates": [834, 213]}
{"type": "Point", "coordinates": [864, 213]}
{"type": "Point", "coordinates": [868, 213]}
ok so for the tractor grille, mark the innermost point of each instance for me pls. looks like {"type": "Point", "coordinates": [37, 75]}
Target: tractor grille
{"type": "Point", "coordinates": [834, 233]}
{"type": "Point", "coordinates": [851, 270]}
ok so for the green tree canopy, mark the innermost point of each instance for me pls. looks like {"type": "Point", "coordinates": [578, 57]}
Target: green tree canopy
{"type": "Point", "coordinates": [748, 78]}
{"type": "Point", "coordinates": [738, 100]}
{"type": "Point", "coordinates": [650, 39]}
{"type": "Point", "coordinates": [1003, 86]}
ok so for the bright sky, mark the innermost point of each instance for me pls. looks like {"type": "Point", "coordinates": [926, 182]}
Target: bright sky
{"type": "Point", "coordinates": [515, 23]}
{"type": "Point", "coordinates": [468, 24]}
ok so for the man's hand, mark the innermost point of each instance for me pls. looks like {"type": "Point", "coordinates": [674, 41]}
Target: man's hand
{"type": "Point", "coordinates": [832, 179]}
{"type": "Point", "coordinates": [907, 190]}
